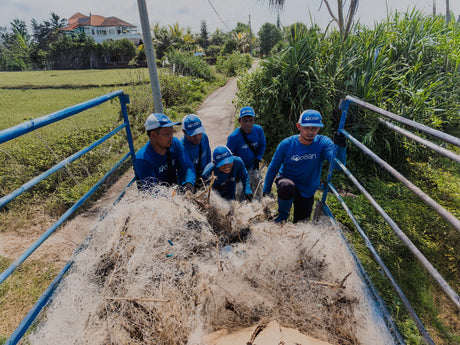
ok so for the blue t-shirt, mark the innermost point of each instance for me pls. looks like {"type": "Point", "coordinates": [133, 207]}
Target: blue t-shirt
{"type": "Point", "coordinates": [238, 146]}
{"type": "Point", "coordinates": [225, 184]}
{"type": "Point", "coordinates": [302, 163]}
{"type": "Point", "coordinates": [193, 152]}
{"type": "Point", "coordinates": [151, 167]}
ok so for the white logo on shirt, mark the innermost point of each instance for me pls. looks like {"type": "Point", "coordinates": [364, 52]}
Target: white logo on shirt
{"type": "Point", "coordinates": [298, 158]}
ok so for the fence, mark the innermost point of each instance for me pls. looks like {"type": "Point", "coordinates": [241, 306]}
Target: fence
{"type": "Point", "coordinates": [344, 106]}
{"type": "Point", "coordinates": [26, 127]}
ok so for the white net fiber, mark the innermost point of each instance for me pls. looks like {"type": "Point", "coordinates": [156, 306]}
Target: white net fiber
{"type": "Point", "coordinates": [165, 268]}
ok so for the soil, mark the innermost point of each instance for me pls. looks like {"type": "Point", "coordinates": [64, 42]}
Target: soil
{"type": "Point", "coordinates": [217, 114]}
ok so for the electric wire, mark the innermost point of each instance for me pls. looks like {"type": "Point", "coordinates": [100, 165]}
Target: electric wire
{"type": "Point", "coordinates": [218, 14]}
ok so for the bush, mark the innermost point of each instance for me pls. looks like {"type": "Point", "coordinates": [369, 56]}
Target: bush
{"type": "Point", "coordinates": [189, 65]}
{"type": "Point", "coordinates": [212, 51]}
{"type": "Point", "coordinates": [234, 64]}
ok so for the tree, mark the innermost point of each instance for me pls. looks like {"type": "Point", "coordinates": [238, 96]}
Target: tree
{"type": "Point", "coordinates": [16, 47]}
{"type": "Point", "coordinates": [269, 36]}
{"type": "Point", "coordinates": [44, 34]}
{"type": "Point", "coordinates": [203, 41]}
{"type": "Point", "coordinates": [218, 37]}
{"type": "Point", "coordinates": [48, 31]}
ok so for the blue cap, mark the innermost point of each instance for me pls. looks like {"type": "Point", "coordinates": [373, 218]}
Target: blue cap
{"type": "Point", "coordinates": [191, 124]}
{"type": "Point", "coordinates": [222, 155]}
{"type": "Point", "coordinates": [158, 120]}
{"type": "Point", "coordinates": [310, 118]}
{"type": "Point", "coordinates": [247, 111]}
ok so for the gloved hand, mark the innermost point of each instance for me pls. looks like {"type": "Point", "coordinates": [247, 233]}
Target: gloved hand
{"type": "Point", "coordinates": [249, 197]}
{"type": "Point", "coordinates": [340, 140]}
{"type": "Point", "coordinates": [189, 187]}
{"type": "Point", "coordinates": [256, 164]}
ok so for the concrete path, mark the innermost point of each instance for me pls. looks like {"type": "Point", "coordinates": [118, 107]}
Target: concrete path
{"type": "Point", "coordinates": [217, 113]}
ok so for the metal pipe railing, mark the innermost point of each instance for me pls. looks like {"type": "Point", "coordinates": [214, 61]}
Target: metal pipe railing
{"type": "Point", "coordinates": [441, 150]}
{"type": "Point", "coordinates": [29, 126]}
{"type": "Point", "coordinates": [415, 251]}
{"type": "Point", "coordinates": [438, 134]}
{"type": "Point", "coordinates": [417, 191]}
{"type": "Point", "coordinates": [26, 186]}
{"type": "Point", "coordinates": [38, 306]}
{"type": "Point", "coordinates": [385, 269]}
{"type": "Point", "coordinates": [380, 304]}
{"type": "Point", "coordinates": [10, 269]}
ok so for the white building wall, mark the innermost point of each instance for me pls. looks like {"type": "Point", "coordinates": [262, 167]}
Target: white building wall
{"type": "Point", "coordinates": [113, 33]}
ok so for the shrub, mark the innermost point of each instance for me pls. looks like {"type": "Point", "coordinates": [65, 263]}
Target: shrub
{"type": "Point", "coordinates": [212, 51]}
{"type": "Point", "coordinates": [234, 64]}
{"type": "Point", "coordinates": [189, 65]}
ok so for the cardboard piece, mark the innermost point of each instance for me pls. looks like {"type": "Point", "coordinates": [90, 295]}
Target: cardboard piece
{"type": "Point", "coordinates": [269, 334]}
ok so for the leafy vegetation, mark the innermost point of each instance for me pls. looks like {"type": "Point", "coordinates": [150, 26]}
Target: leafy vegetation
{"type": "Point", "coordinates": [408, 65]}
{"type": "Point", "coordinates": [234, 64]}
{"type": "Point", "coordinates": [190, 65]}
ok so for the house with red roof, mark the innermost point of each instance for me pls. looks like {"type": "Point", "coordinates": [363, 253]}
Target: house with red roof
{"type": "Point", "coordinates": [102, 29]}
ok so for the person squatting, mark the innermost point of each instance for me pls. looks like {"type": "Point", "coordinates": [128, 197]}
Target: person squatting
{"type": "Point", "coordinates": [295, 167]}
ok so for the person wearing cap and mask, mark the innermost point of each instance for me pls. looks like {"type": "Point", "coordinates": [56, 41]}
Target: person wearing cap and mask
{"type": "Point", "coordinates": [228, 170]}
{"type": "Point", "coordinates": [162, 159]}
{"type": "Point", "coordinates": [297, 162]}
{"type": "Point", "coordinates": [196, 145]}
{"type": "Point", "coordinates": [248, 142]}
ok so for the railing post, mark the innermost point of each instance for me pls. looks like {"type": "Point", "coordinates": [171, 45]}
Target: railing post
{"type": "Point", "coordinates": [124, 99]}
{"type": "Point", "coordinates": [344, 105]}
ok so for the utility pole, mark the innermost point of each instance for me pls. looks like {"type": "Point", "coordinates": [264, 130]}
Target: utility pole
{"type": "Point", "coordinates": [434, 8]}
{"type": "Point", "coordinates": [447, 12]}
{"type": "Point", "coordinates": [150, 54]}
{"type": "Point", "coordinates": [250, 35]}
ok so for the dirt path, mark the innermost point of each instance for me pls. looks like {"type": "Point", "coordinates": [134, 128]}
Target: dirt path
{"type": "Point", "coordinates": [217, 114]}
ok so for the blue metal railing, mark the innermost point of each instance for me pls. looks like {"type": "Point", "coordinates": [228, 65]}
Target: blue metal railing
{"type": "Point", "coordinates": [344, 106]}
{"type": "Point", "coordinates": [26, 127]}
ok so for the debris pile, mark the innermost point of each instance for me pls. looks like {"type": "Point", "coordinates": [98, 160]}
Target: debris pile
{"type": "Point", "coordinates": [164, 268]}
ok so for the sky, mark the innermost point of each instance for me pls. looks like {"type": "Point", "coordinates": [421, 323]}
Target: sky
{"type": "Point", "coordinates": [222, 14]}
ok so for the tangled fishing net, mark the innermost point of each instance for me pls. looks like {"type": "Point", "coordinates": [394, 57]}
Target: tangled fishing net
{"type": "Point", "coordinates": [163, 268]}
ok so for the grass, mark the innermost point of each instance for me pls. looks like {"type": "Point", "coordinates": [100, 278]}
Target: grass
{"type": "Point", "coordinates": [29, 155]}
{"type": "Point", "coordinates": [20, 291]}
{"type": "Point", "coordinates": [17, 106]}
{"type": "Point", "coordinates": [438, 243]}
{"type": "Point", "coordinates": [70, 78]}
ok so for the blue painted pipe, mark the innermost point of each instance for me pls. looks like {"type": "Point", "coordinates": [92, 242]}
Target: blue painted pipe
{"type": "Point", "coordinates": [7, 198]}
{"type": "Point", "coordinates": [5, 274]}
{"type": "Point", "coordinates": [29, 126]}
{"type": "Point", "coordinates": [438, 134]}
{"type": "Point", "coordinates": [397, 175]}
{"type": "Point", "coordinates": [420, 257]}
{"type": "Point", "coordinates": [38, 306]}
{"type": "Point", "coordinates": [387, 272]}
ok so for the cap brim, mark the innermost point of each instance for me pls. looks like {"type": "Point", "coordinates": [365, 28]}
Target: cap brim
{"type": "Point", "coordinates": [225, 161]}
{"type": "Point", "coordinates": [312, 125]}
{"type": "Point", "coordinates": [170, 124]}
{"type": "Point", "coordinates": [196, 131]}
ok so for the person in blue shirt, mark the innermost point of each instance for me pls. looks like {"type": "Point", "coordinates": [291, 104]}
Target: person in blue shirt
{"type": "Point", "coordinates": [228, 170]}
{"type": "Point", "coordinates": [196, 145]}
{"type": "Point", "coordinates": [248, 142]}
{"type": "Point", "coordinates": [298, 160]}
{"type": "Point", "coordinates": [162, 159]}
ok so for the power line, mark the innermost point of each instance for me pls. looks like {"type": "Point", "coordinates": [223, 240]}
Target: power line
{"type": "Point", "coordinates": [218, 15]}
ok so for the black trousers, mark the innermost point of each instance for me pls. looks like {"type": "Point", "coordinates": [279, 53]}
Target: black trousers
{"type": "Point", "coordinates": [302, 207]}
